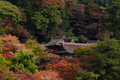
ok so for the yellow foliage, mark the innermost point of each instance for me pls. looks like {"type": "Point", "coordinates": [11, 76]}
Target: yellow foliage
{"type": "Point", "coordinates": [5, 74]}
{"type": "Point", "coordinates": [36, 48]}
{"type": "Point", "coordinates": [82, 51]}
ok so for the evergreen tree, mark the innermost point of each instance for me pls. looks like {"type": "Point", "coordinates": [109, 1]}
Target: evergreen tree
{"type": "Point", "coordinates": [113, 18]}
{"type": "Point", "coordinates": [108, 61]}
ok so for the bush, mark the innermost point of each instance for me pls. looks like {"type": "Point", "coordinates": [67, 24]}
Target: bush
{"type": "Point", "coordinates": [87, 76]}
{"type": "Point", "coordinates": [24, 61]}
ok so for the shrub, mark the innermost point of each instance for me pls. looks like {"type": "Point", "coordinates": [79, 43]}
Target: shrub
{"type": "Point", "coordinates": [24, 61]}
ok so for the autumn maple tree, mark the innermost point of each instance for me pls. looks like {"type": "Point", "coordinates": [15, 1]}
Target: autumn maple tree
{"type": "Point", "coordinates": [43, 3]}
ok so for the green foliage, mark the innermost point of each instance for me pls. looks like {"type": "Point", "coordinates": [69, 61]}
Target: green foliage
{"type": "Point", "coordinates": [24, 61]}
{"type": "Point", "coordinates": [109, 47]}
{"type": "Point", "coordinates": [10, 12]}
{"type": "Point", "coordinates": [86, 1]}
{"type": "Point", "coordinates": [3, 61]}
{"type": "Point", "coordinates": [46, 20]}
{"type": "Point", "coordinates": [87, 76]}
{"type": "Point", "coordinates": [113, 16]}
{"type": "Point", "coordinates": [5, 74]}
{"type": "Point", "coordinates": [3, 27]}
{"type": "Point", "coordinates": [29, 7]}
{"type": "Point", "coordinates": [99, 2]}
{"type": "Point", "coordinates": [103, 2]}
{"type": "Point", "coordinates": [2, 31]}
{"type": "Point", "coordinates": [65, 19]}
{"type": "Point", "coordinates": [82, 39]}
{"type": "Point", "coordinates": [36, 48]}
{"type": "Point", "coordinates": [113, 10]}
{"type": "Point", "coordinates": [83, 51]}
{"type": "Point", "coordinates": [69, 34]}
{"type": "Point", "coordinates": [74, 38]}
{"type": "Point", "coordinates": [104, 60]}
{"type": "Point", "coordinates": [40, 21]}
{"type": "Point", "coordinates": [49, 17]}
{"type": "Point", "coordinates": [48, 37]}
{"type": "Point", "coordinates": [107, 59]}
{"type": "Point", "coordinates": [1, 48]}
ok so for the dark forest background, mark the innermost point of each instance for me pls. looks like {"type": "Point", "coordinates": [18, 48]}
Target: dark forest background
{"type": "Point", "coordinates": [80, 20]}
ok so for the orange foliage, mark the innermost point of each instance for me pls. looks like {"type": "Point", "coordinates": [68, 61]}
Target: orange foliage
{"type": "Point", "coordinates": [49, 74]}
{"type": "Point", "coordinates": [11, 45]}
{"type": "Point", "coordinates": [62, 64]}
{"type": "Point", "coordinates": [13, 42]}
{"type": "Point", "coordinates": [9, 40]}
{"type": "Point", "coordinates": [50, 57]}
